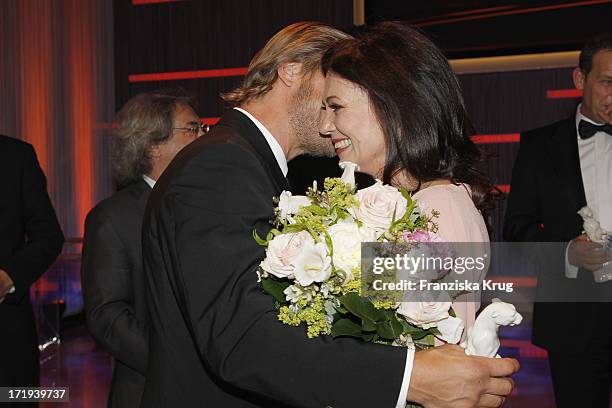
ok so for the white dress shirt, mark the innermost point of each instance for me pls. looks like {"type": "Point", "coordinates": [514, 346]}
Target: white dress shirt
{"type": "Point", "coordinates": [277, 150]}
{"type": "Point", "coordinates": [596, 168]}
{"type": "Point", "coordinates": [282, 163]}
{"type": "Point", "coordinates": [149, 180]}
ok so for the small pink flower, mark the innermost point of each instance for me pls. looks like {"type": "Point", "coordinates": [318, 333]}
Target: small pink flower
{"type": "Point", "coordinates": [419, 236]}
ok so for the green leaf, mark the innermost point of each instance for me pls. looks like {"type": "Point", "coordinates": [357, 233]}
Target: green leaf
{"type": "Point", "coordinates": [369, 337]}
{"type": "Point", "coordinates": [329, 243]}
{"type": "Point", "coordinates": [275, 288]}
{"type": "Point", "coordinates": [368, 325]}
{"type": "Point", "coordinates": [396, 326]}
{"type": "Point", "coordinates": [315, 209]}
{"type": "Point", "coordinates": [272, 233]}
{"type": "Point", "coordinates": [360, 308]}
{"type": "Point", "coordinates": [389, 330]}
{"type": "Point", "coordinates": [258, 239]}
{"type": "Point", "coordinates": [345, 327]}
{"type": "Point", "coordinates": [341, 309]}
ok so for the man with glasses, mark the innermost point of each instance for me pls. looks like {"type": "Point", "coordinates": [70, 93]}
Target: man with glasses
{"type": "Point", "coordinates": [152, 128]}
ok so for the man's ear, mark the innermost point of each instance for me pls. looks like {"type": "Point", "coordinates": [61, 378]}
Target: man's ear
{"type": "Point", "coordinates": [290, 72]}
{"type": "Point", "coordinates": [579, 78]}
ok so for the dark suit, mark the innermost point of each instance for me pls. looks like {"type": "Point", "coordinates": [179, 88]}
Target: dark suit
{"type": "Point", "coordinates": [546, 192]}
{"type": "Point", "coordinates": [215, 337]}
{"type": "Point", "coordinates": [113, 288]}
{"type": "Point", "coordinates": [30, 240]}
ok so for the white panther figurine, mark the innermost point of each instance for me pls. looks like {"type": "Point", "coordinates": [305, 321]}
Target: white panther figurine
{"type": "Point", "coordinates": [483, 337]}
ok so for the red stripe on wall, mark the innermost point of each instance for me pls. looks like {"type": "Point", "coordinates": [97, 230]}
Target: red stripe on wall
{"type": "Point", "coordinates": [505, 188]}
{"type": "Point", "coordinates": [209, 121]}
{"type": "Point", "coordinates": [143, 2]}
{"type": "Point", "coordinates": [563, 93]}
{"type": "Point", "coordinates": [502, 138]}
{"type": "Point", "coordinates": [518, 281]}
{"type": "Point", "coordinates": [173, 76]}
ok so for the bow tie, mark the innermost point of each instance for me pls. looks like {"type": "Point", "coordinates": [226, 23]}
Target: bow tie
{"type": "Point", "coordinates": [586, 129]}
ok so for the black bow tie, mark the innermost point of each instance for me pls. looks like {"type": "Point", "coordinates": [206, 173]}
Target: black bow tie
{"type": "Point", "coordinates": [586, 129]}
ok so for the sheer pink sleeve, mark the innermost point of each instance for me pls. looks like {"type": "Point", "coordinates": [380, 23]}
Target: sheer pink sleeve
{"type": "Point", "coordinates": [459, 221]}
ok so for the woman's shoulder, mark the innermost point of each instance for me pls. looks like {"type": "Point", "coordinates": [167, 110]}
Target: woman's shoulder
{"type": "Point", "coordinates": [445, 194]}
{"type": "Point", "coordinates": [459, 219]}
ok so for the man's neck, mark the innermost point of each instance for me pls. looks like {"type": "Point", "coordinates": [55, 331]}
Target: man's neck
{"type": "Point", "coordinates": [273, 114]}
{"type": "Point", "coordinates": [587, 115]}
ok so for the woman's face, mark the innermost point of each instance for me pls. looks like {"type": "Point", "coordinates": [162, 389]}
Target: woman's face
{"type": "Point", "coordinates": [348, 118]}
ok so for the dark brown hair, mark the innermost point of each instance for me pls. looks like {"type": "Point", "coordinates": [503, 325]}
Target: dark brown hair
{"type": "Point", "coordinates": [417, 100]}
{"type": "Point", "coordinates": [602, 42]}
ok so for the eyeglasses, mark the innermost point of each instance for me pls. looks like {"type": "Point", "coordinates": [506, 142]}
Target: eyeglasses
{"type": "Point", "coordinates": [195, 129]}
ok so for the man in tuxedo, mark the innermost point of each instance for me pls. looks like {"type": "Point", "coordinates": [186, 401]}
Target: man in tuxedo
{"type": "Point", "coordinates": [30, 240]}
{"type": "Point", "coordinates": [559, 169]}
{"type": "Point", "coordinates": [215, 337]}
{"type": "Point", "coordinates": [152, 128]}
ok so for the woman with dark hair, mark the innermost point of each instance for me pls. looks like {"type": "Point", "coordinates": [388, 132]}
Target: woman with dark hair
{"type": "Point", "coordinates": [393, 105]}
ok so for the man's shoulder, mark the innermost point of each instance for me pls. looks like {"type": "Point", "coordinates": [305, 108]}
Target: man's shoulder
{"type": "Point", "coordinates": [222, 145]}
{"type": "Point", "coordinates": [121, 204]}
{"type": "Point", "coordinates": [544, 132]}
{"type": "Point", "coordinates": [11, 146]}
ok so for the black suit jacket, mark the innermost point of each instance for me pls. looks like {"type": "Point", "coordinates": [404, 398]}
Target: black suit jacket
{"type": "Point", "coordinates": [546, 193]}
{"type": "Point", "coordinates": [215, 337]}
{"type": "Point", "coordinates": [113, 288]}
{"type": "Point", "coordinates": [30, 240]}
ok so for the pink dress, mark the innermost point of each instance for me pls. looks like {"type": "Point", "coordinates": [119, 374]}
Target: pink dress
{"type": "Point", "coordinates": [459, 221]}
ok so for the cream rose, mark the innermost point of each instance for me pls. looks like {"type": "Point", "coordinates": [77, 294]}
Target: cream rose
{"type": "Point", "coordinates": [313, 264]}
{"type": "Point", "coordinates": [282, 251]}
{"type": "Point", "coordinates": [378, 203]}
{"type": "Point", "coordinates": [425, 311]}
{"type": "Point", "coordinates": [346, 239]}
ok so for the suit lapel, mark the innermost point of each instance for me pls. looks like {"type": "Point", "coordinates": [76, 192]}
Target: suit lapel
{"type": "Point", "coordinates": [564, 144]}
{"type": "Point", "coordinates": [253, 136]}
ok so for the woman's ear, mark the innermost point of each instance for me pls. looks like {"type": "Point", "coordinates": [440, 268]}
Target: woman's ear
{"type": "Point", "coordinates": [289, 73]}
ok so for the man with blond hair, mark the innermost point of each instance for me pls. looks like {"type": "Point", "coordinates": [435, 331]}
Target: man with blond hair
{"type": "Point", "coordinates": [215, 337]}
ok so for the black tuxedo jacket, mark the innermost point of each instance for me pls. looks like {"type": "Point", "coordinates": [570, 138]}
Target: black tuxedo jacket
{"type": "Point", "coordinates": [215, 337]}
{"type": "Point", "coordinates": [30, 240]}
{"type": "Point", "coordinates": [113, 288]}
{"type": "Point", "coordinates": [546, 193]}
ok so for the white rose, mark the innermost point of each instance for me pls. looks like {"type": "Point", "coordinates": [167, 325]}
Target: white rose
{"type": "Point", "coordinates": [313, 264]}
{"type": "Point", "coordinates": [282, 251]}
{"type": "Point", "coordinates": [424, 311]}
{"type": "Point", "coordinates": [451, 329]}
{"type": "Point", "coordinates": [378, 203]}
{"type": "Point", "coordinates": [346, 239]}
{"type": "Point", "coordinates": [289, 204]}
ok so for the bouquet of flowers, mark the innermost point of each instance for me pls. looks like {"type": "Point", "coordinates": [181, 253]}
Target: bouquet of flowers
{"type": "Point", "coordinates": [313, 266]}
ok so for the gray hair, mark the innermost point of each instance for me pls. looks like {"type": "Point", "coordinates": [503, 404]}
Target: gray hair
{"type": "Point", "coordinates": [144, 121]}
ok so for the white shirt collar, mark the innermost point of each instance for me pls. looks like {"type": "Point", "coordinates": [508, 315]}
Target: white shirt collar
{"type": "Point", "coordinates": [580, 116]}
{"type": "Point", "coordinates": [149, 180]}
{"type": "Point", "coordinates": [276, 148]}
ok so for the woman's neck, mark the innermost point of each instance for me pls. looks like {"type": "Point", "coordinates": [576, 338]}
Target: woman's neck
{"type": "Point", "coordinates": [408, 182]}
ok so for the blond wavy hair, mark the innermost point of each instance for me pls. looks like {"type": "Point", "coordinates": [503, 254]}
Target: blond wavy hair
{"type": "Point", "coordinates": [303, 42]}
